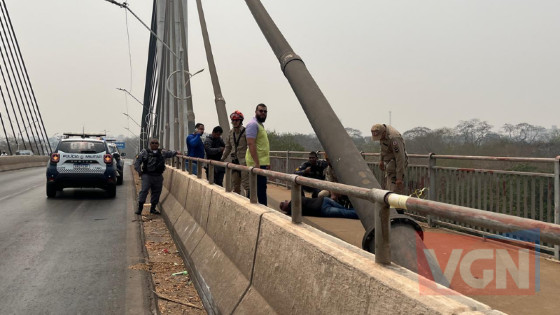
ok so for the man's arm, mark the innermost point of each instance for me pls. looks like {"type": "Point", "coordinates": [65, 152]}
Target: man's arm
{"type": "Point", "coordinates": [252, 144]}
{"type": "Point", "coordinates": [209, 149]}
{"type": "Point", "coordinates": [228, 147]}
{"type": "Point", "coordinates": [303, 169]}
{"type": "Point", "coordinates": [193, 139]}
{"type": "Point", "coordinates": [138, 162]}
{"type": "Point", "coordinates": [168, 154]}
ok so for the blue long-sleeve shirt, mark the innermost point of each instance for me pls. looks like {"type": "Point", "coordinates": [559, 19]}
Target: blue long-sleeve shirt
{"type": "Point", "coordinates": [195, 146]}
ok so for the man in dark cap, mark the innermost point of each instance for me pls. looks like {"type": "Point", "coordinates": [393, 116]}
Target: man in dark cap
{"type": "Point", "coordinates": [393, 160]}
{"type": "Point", "coordinates": [150, 165]}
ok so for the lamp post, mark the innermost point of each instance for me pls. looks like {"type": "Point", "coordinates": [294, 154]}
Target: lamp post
{"type": "Point", "coordinates": [181, 84]}
{"type": "Point", "coordinates": [134, 121]}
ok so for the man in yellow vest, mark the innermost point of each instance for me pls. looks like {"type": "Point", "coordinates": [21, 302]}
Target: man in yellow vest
{"type": "Point", "coordinates": [258, 149]}
{"type": "Point", "coordinates": [393, 159]}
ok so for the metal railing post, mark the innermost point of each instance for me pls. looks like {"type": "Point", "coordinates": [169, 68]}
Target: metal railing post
{"type": "Point", "coordinates": [288, 167]}
{"type": "Point", "coordinates": [432, 181]}
{"type": "Point", "coordinates": [210, 174]}
{"type": "Point", "coordinates": [557, 201]}
{"type": "Point", "coordinates": [382, 242]}
{"type": "Point", "coordinates": [297, 214]}
{"type": "Point", "coordinates": [199, 169]}
{"type": "Point", "coordinates": [190, 166]}
{"type": "Point", "coordinates": [253, 186]}
{"type": "Point", "coordinates": [229, 179]}
{"type": "Point", "coordinates": [182, 161]}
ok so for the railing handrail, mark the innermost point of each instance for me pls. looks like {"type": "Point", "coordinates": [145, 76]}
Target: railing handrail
{"type": "Point", "coordinates": [549, 232]}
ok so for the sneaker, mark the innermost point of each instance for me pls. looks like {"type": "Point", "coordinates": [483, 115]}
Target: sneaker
{"type": "Point", "coordinates": [154, 211]}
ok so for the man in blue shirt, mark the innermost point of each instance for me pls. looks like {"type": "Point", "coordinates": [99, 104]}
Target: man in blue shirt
{"type": "Point", "coordinates": [195, 146]}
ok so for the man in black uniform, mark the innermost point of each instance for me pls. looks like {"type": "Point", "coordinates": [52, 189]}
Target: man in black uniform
{"type": "Point", "coordinates": [313, 168]}
{"type": "Point", "coordinates": [150, 165]}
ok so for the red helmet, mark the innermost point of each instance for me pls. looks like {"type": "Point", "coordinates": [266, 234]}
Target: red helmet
{"type": "Point", "coordinates": [237, 115]}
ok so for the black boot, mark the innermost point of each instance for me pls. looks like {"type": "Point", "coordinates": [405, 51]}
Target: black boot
{"type": "Point", "coordinates": [140, 208]}
{"type": "Point", "coordinates": [153, 210]}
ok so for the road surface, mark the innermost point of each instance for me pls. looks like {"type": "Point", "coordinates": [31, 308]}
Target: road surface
{"type": "Point", "coordinates": [71, 254]}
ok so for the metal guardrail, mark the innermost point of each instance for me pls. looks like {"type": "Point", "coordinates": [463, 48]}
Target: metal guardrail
{"type": "Point", "coordinates": [548, 232]}
{"type": "Point", "coordinates": [531, 195]}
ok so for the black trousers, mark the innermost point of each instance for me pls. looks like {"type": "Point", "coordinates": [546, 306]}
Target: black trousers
{"type": "Point", "coordinates": [153, 182]}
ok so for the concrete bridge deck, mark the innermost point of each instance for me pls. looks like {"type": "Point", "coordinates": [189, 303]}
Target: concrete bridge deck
{"type": "Point", "coordinates": [545, 301]}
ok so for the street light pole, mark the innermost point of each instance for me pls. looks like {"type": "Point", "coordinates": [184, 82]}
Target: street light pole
{"type": "Point", "coordinates": [134, 121]}
{"type": "Point", "coordinates": [180, 85]}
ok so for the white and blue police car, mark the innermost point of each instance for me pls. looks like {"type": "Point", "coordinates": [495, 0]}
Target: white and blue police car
{"type": "Point", "coordinates": [81, 160]}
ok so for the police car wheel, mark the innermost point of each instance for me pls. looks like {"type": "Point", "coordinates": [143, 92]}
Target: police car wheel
{"type": "Point", "coordinates": [51, 190]}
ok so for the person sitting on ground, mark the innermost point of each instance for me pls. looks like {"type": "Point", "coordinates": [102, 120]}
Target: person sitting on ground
{"type": "Point", "coordinates": [330, 175]}
{"type": "Point", "coordinates": [313, 168]}
{"type": "Point", "coordinates": [320, 207]}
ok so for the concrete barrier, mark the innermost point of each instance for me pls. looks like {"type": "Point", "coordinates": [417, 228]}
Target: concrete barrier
{"type": "Point", "coordinates": [16, 162]}
{"type": "Point", "coordinates": [249, 259]}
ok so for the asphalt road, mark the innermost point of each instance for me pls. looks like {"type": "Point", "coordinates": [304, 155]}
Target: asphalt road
{"type": "Point", "coordinates": [71, 254]}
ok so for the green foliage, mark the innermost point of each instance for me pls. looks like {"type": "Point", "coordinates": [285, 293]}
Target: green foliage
{"type": "Point", "coordinates": [524, 167]}
{"type": "Point", "coordinates": [283, 142]}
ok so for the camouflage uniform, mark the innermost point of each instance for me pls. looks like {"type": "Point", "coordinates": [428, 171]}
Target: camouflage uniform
{"type": "Point", "coordinates": [393, 156]}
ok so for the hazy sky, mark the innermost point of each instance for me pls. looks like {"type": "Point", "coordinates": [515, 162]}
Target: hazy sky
{"type": "Point", "coordinates": [430, 63]}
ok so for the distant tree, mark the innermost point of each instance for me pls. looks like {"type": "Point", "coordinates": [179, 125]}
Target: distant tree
{"type": "Point", "coordinates": [353, 133]}
{"type": "Point", "coordinates": [524, 132]}
{"type": "Point", "coordinates": [416, 132]}
{"type": "Point", "coordinates": [473, 131]}
{"type": "Point", "coordinates": [283, 142]}
{"type": "Point", "coordinates": [309, 142]}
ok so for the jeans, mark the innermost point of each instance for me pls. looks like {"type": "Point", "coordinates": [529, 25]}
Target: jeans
{"type": "Point", "coordinates": [261, 188]}
{"type": "Point", "coordinates": [333, 209]}
{"type": "Point", "coordinates": [219, 177]}
{"type": "Point", "coordinates": [194, 168]}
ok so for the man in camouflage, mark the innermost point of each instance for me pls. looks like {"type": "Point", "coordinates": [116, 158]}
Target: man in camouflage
{"type": "Point", "coordinates": [393, 160]}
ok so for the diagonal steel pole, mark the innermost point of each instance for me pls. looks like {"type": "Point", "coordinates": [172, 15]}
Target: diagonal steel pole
{"type": "Point", "coordinates": [219, 98]}
{"type": "Point", "coordinates": [347, 161]}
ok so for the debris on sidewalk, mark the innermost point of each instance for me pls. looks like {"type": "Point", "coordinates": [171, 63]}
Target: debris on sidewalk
{"type": "Point", "coordinates": [175, 295]}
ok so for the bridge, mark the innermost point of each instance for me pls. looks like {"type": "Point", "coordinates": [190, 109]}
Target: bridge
{"type": "Point", "coordinates": [248, 258]}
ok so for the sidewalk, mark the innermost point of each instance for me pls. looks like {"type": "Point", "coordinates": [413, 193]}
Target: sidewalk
{"type": "Point", "coordinates": [544, 301]}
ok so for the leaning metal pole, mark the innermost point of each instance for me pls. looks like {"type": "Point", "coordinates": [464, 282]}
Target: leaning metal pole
{"type": "Point", "coordinates": [350, 167]}
{"type": "Point", "coordinates": [219, 99]}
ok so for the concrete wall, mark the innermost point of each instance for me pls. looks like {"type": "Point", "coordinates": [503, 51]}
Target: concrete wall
{"type": "Point", "coordinates": [249, 259]}
{"type": "Point", "coordinates": [15, 162]}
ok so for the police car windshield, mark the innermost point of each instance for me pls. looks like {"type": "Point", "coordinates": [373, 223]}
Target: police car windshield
{"type": "Point", "coordinates": [81, 147]}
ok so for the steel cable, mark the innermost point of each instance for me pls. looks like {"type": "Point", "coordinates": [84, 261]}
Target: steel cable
{"type": "Point", "coordinates": [19, 83]}
{"type": "Point", "coordinates": [10, 120]}
{"type": "Point", "coordinates": [14, 89]}
{"type": "Point", "coordinates": [28, 79]}
{"type": "Point", "coordinates": [13, 108]}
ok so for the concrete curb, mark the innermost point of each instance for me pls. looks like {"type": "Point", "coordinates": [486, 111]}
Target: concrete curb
{"type": "Point", "coordinates": [249, 259]}
{"type": "Point", "coordinates": [8, 163]}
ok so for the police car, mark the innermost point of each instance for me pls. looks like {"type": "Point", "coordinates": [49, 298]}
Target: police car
{"type": "Point", "coordinates": [81, 160]}
{"type": "Point", "coordinates": [117, 155]}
